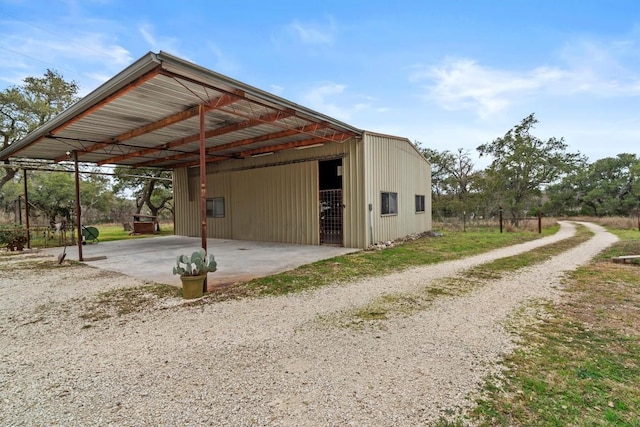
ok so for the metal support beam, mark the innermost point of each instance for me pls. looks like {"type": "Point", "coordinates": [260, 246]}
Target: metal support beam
{"type": "Point", "coordinates": [26, 207]}
{"type": "Point", "coordinates": [203, 187]}
{"type": "Point", "coordinates": [78, 212]}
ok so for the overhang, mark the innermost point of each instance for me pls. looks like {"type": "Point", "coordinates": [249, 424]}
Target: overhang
{"type": "Point", "coordinates": [149, 115]}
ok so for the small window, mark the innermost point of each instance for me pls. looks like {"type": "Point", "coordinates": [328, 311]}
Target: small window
{"type": "Point", "coordinates": [419, 203]}
{"type": "Point", "coordinates": [215, 207]}
{"type": "Point", "coordinates": [389, 204]}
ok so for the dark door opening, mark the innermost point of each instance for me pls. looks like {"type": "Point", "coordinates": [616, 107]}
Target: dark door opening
{"type": "Point", "coordinates": [331, 207]}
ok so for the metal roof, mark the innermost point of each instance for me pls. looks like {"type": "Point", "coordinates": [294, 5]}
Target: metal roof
{"type": "Point", "coordinates": [148, 115]}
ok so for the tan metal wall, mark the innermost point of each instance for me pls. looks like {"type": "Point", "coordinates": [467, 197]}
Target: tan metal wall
{"type": "Point", "coordinates": [274, 198]}
{"type": "Point", "coordinates": [394, 165]}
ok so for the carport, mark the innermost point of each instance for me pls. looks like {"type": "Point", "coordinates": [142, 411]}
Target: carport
{"type": "Point", "coordinates": [168, 113]}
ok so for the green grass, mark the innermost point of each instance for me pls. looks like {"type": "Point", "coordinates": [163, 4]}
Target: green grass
{"type": "Point", "coordinates": [110, 232]}
{"type": "Point", "coordinates": [495, 269]}
{"type": "Point", "coordinates": [107, 232]}
{"type": "Point", "coordinates": [579, 364]}
{"type": "Point", "coordinates": [424, 251]}
{"type": "Point", "coordinates": [402, 304]}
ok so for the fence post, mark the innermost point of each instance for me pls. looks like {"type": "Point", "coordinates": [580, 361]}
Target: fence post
{"type": "Point", "coordinates": [464, 221]}
{"type": "Point", "coordinates": [539, 222]}
{"type": "Point", "coordinates": [500, 219]}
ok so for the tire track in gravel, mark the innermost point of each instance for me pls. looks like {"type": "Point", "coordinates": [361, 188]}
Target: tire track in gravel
{"type": "Point", "coordinates": [265, 362]}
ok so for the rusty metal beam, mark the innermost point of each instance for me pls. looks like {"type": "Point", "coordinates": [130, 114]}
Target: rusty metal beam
{"type": "Point", "coordinates": [222, 101]}
{"type": "Point", "coordinates": [267, 118]}
{"type": "Point", "coordinates": [78, 205]}
{"type": "Point", "coordinates": [130, 86]}
{"type": "Point", "coordinates": [203, 190]}
{"type": "Point", "coordinates": [270, 148]}
{"type": "Point", "coordinates": [235, 144]}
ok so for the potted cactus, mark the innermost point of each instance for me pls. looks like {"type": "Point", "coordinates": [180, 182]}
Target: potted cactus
{"type": "Point", "coordinates": [193, 272]}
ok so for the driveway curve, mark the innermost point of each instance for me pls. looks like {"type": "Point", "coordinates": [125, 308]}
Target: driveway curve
{"type": "Point", "coordinates": [268, 361]}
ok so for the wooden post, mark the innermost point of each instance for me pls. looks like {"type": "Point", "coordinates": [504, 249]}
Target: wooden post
{"type": "Point", "coordinates": [203, 188]}
{"type": "Point", "coordinates": [539, 222]}
{"type": "Point", "coordinates": [26, 207]}
{"type": "Point", "coordinates": [500, 219]}
{"type": "Point", "coordinates": [78, 211]}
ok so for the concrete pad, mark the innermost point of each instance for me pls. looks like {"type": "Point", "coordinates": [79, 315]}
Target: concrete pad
{"type": "Point", "coordinates": [153, 258]}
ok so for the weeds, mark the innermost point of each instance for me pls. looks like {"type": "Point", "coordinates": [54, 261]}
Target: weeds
{"type": "Point", "coordinates": [424, 251]}
{"type": "Point", "coordinates": [122, 302]}
{"type": "Point", "coordinates": [578, 364]}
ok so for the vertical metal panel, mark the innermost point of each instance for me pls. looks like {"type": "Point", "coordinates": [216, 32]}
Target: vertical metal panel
{"type": "Point", "coordinates": [275, 203]}
{"type": "Point", "coordinates": [186, 218]}
{"type": "Point", "coordinates": [353, 183]}
{"type": "Point", "coordinates": [218, 186]}
{"type": "Point", "coordinates": [394, 165]}
{"type": "Point", "coordinates": [278, 204]}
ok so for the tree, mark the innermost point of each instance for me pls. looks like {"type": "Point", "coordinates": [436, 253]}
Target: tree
{"type": "Point", "coordinates": [523, 165]}
{"type": "Point", "coordinates": [609, 186]}
{"type": "Point", "coordinates": [452, 178]}
{"type": "Point", "coordinates": [52, 195]}
{"type": "Point", "coordinates": [151, 187]}
{"type": "Point", "coordinates": [24, 108]}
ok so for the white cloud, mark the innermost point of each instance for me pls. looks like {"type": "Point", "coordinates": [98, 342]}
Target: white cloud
{"type": "Point", "coordinates": [313, 33]}
{"type": "Point", "coordinates": [145, 32]}
{"type": "Point", "coordinates": [583, 67]}
{"type": "Point", "coordinates": [157, 42]}
{"type": "Point", "coordinates": [334, 100]}
{"type": "Point", "coordinates": [276, 89]}
{"type": "Point", "coordinates": [459, 84]}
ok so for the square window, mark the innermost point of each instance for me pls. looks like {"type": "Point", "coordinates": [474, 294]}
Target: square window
{"type": "Point", "coordinates": [419, 203]}
{"type": "Point", "coordinates": [215, 207]}
{"type": "Point", "coordinates": [389, 203]}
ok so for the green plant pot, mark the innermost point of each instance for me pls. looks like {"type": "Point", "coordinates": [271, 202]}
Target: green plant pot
{"type": "Point", "coordinates": [192, 286]}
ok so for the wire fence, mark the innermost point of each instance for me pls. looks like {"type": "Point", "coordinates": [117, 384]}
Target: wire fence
{"type": "Point", "coordinates": [45, 237]}
{"type": "Point", "coordinates": [496, 223]}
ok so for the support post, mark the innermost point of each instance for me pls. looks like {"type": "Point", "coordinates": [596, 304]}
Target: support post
{"type": "Point", "coordinates": [500, 219]}
{"type": "Point", "coordinates": [26, 208]}
{"type": "Point", "coordinates": [19, 210]}
{"type": "Point", "coordinates": [78, 212]}
{"type": "Point", "coordinates": [203, 187]}
{"type": "Point", "coordinates": [539, 222]}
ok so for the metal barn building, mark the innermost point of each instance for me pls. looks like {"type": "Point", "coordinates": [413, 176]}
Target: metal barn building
{"type": "Point", "coordinates": [247, 164]}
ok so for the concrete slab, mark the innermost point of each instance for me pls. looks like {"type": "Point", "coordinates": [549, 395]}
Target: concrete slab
{"type": "Point", "coordinates": [153, 258]}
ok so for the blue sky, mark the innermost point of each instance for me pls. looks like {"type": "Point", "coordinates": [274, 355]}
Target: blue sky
{"type": "Point", "coordinates": [450, 74]}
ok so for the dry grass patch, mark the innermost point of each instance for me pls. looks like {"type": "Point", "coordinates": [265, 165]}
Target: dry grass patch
{"type": "Point", "coordinates": [126, 301]}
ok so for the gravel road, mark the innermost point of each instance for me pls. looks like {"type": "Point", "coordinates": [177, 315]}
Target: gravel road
{"type": "Point", "coordinates": [260, 362]}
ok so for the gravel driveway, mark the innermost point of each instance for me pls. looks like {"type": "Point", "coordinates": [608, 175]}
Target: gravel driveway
{"type": "Point", "coordinates": [263, 362]}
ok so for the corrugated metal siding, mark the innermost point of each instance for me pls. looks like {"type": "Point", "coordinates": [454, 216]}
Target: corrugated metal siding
{"type": "Point", "coordinates": [355, 215]}
{"type": "Point", "coordinates": [278, 204]}
{"type": "Point", "coordinates": [183, 197]}
{"type": "Point", "coordinates": [274, 203]}
{"type": "Point", "coordinates": [393, 165]}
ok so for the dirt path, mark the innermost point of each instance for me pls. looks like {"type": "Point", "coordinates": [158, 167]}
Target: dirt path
{"type": "Point", "coordinates": [271, 361]}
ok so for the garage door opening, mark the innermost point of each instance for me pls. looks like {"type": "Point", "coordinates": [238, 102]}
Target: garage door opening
{"type": "Point", "coordinates": [331, 207]}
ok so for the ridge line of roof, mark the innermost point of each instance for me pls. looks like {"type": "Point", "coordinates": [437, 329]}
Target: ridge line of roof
{"type": "Point", "coordinates": [145, 64]}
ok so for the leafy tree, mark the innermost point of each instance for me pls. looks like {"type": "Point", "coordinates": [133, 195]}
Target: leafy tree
{"type": "Point", "coordinates": [151, 187]}
{"type": "Point", "coordinates": [452, 179]}
{"type": "Point", "coordinates": [24, 108]}
{"type": "Point", "coordinates": [52, 195]}
{"type": "Point", "coordinates": [609, 186]}
{"type": "Point", "coordinates": [523, 165]}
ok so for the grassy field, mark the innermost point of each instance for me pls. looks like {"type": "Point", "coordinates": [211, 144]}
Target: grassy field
{"type": "Point", "coordinates": [427, 250]}
{"type": "Point", "coordinates": [42, 238]}
{"type": "Point", "coordinates": [579, 364]}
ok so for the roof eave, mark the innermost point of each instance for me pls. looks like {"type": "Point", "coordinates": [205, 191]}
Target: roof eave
{"type": "Point", "coordinates": [142, 66]}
